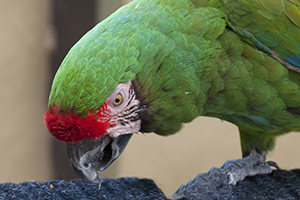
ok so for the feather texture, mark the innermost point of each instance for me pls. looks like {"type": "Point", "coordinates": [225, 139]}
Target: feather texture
{"type": "Point", "coordinates": [193, 57]}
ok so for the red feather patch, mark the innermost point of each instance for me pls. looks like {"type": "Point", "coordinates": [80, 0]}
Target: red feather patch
{"type": "Point", "coordinates": [70, 127]}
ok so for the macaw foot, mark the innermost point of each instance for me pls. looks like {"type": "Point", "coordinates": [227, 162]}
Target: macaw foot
{"type": "Point", "coordinates": [252, 165]}
{"type": "Point", "coordinates": [231, 172]}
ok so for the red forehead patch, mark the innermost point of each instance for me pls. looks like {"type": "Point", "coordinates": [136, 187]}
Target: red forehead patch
{"type": "Point", "coordinates": [70, 127]}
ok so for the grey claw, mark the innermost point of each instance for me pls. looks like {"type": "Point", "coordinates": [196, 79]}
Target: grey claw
{"type": "Point", "coordinates": [273, 164]}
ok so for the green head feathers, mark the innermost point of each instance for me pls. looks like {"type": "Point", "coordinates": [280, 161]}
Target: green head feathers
{"type": "Point", "coordinates": [93, 67]}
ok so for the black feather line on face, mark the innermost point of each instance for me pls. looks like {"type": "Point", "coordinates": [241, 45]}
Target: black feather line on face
{"type": "Point", "coordinates": [132, 109]}
{"type": "Point", "coordinates": [131, 91]}
{"type": "Point", "coordinates": [148, 123]}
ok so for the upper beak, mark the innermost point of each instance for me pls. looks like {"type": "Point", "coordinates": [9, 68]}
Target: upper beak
{"type": "Point", "coordinates": [88, 156]}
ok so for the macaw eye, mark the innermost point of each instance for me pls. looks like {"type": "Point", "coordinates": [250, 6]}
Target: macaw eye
{"type": "Point", "coordinates": [118, 100]}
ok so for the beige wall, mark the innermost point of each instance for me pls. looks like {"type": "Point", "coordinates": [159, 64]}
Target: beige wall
{"type": "Point", "coordinates": [25, 45]}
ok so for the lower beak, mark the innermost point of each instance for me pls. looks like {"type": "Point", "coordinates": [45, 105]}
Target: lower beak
{"type": "Point", "coordinates": [88, 156]}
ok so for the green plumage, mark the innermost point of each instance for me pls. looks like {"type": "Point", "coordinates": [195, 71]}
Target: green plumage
{"type": "Point", "coordinates": [193, 57]}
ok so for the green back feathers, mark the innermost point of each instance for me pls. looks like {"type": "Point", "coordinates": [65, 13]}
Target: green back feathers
{"type": "Point", "coordinates": [169, 80]}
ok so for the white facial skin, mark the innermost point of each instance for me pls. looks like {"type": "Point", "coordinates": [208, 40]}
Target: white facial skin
{"type": "Point", "coordinates": [119, 103]}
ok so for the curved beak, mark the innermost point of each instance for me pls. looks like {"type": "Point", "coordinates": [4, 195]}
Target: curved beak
{"type": "Point", "coordinates": [89, 156]}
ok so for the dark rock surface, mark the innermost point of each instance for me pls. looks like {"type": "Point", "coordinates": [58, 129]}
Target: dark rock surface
{"type": "Point", "coordinates": [278, 185]}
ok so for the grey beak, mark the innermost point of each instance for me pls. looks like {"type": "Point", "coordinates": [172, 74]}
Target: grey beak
{"type": "Point", "coordinates": [89, 156]}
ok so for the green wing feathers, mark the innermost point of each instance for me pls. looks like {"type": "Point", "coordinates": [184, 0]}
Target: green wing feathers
{"type": "Point", "coordinates": [274, 105]}
{"type": "Point", "coordinates": [275, 23]}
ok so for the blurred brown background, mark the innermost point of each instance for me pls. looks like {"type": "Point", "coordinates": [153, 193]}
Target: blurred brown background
{"type": "Point", "coordinates": [35, 36]}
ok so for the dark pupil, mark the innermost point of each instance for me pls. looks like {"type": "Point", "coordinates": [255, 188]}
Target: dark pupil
{"type": "Point", "coordinates": [117, 100]}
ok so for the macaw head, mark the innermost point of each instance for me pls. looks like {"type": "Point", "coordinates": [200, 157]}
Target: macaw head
{"type": "Point", "coordinates": [93, 105]}
{"type": "Point", "coordinates": [96, 137]}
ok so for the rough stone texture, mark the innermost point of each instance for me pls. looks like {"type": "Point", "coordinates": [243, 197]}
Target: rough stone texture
{"type": "Point", "coordinates": [278, 185]}
{"type": "Point", "coordinates": [113, 189]}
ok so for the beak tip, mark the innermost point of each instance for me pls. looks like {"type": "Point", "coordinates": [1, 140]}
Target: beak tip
{"type": "Point", "coordinates": [87, 174]}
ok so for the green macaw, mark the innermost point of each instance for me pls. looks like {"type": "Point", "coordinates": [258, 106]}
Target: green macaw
{"type": "Point", "coordinates": [153, 65]}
